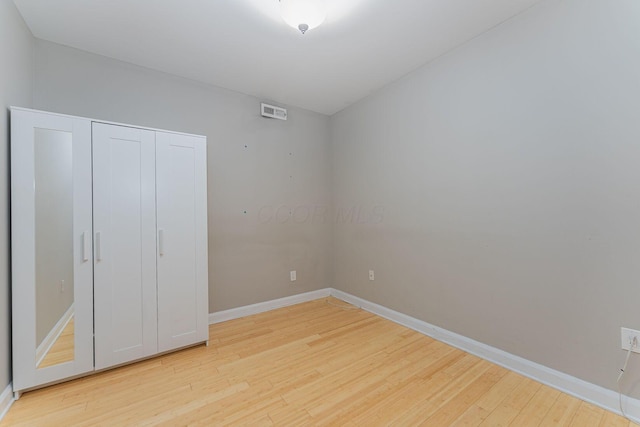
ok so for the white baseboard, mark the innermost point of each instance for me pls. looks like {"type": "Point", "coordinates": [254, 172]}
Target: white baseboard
{"type": "Point", "coordinates": [6, 400]}
{"type": "Point", "coordinates": [52, 336]}
{"type": "Point", "coordinates": [581, 389]}
{"type": "Point", "coordinates": [261, 307]}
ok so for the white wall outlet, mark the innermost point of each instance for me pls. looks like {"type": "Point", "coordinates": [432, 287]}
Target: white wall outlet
{"type": "Point", "coordinates": [61, 286]}
{"type": "Point", "coordinates": [627, 339]}
{"type": "Point", "coordinates": [371, 275]}
{"type": "Point", "coordinates": [292, 275]}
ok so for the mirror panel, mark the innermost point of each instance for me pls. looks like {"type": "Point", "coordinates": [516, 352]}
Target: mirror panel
{"type": "Point", "coordinates": [54, 243]}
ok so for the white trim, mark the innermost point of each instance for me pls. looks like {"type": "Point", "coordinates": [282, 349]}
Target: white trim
{"type": "Point", "coordinates": [261, 307]}
{"type": "Point", "coordinates": [52, 336]}
{"type": "Point", "coordinates": [581, 389]}
{"type": "Point", "coordinates": [6, 400]}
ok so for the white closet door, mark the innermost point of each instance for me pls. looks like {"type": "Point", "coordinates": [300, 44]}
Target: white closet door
{"type": "Point", "coordinates": [124, 244]}
{"type": "Point", "coordinates": [181, 182]}
{"type": "Point", "coordinates": [50, 235]}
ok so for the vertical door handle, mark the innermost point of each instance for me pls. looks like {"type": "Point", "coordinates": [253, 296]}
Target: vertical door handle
{"type": "Point", "coordinates": [85, 246]}
{"type": "Point", "coordinates": [161, 241]}
{"type": "Point", "coordinates": [98, 247]}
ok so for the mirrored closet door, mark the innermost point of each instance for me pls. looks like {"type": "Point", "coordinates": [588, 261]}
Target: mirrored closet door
{"type": "Point", "coordinates": [51, 245]}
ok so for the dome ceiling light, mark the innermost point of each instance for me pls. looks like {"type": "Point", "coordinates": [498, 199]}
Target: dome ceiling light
{"type": "Point", "coordinates": [303, 15]}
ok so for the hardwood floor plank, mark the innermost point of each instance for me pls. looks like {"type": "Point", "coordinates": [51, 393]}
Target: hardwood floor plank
{"type": "Point", "coordinates": [537, 408]}
{"type": "Point", "coordinates": [308, 364]}
{"type": "Point", "coordinates": [587, 415]}
{"type": "Point", "coordinates": [562, 411]}
{"type": "Point", "coordinates": [457, 382]}
{"type": "Point", "coordinates": [502, 388]}
{"type": "Point", "coordinates": [449, 412]}
{"type": "Point", "coordinates": [512, 404]}
{"type": "Point", "coordinates": [613, 420]}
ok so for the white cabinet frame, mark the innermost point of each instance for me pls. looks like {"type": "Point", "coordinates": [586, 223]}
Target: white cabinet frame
{"type": "Point", "coordinates": [23, 247]}
{"type": "Point", "coordinates": [173, 237]}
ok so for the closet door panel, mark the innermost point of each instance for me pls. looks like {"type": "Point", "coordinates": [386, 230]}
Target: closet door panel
{"type": "Point", "coordinates": [124, 249]}
{"type": "Point", "coordinates": [52, 293]}
{"type": "Point", "coordinates": [182, 240]}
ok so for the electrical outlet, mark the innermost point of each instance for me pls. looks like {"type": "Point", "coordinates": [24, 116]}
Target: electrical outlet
{"type": "Point", "coordinates": [292, 275]}
{"type": "Point", "coordinates": [627, 336]}
{"type": "Point", "coordinates": [371, 275]}
{"type": "Point", "coordinates": [61, 286]}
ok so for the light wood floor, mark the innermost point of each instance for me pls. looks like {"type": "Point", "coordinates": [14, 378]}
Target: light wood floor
{"type": "Point", "coordinates": [310, 364]}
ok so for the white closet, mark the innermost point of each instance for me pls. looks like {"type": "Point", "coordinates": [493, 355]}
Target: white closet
{"type": "Point", "coordinates": [110, 260]}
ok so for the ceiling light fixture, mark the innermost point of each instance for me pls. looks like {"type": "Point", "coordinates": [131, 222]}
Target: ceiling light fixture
{"type": "Point", "coordinates": [303, 15]}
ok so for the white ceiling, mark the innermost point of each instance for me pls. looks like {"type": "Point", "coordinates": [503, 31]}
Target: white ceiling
{"type": "Point", "coordinates": [243, 45]}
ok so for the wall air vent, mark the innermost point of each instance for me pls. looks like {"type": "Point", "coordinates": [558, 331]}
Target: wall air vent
{"type": "Point", "coordinates": [273, 112]}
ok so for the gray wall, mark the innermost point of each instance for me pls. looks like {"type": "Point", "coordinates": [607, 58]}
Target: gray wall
{"type": "Point", "coordinates": [255, 165]}
{"type": "Point", "coordinates": [507, 174]}
{"type": "Point", "coordinates": [16, 49]}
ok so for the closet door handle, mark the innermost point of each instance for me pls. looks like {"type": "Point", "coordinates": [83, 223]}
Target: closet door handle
{"type": "Point", "coordinates": [161, 241]}
{"type": "Point", "coordinates": [85, 246]}
{"type": "Point", "coordinates": [98, 246]}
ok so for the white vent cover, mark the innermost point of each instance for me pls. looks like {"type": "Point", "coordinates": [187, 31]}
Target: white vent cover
{"type": "Point", "coordinates": [273, 112]}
